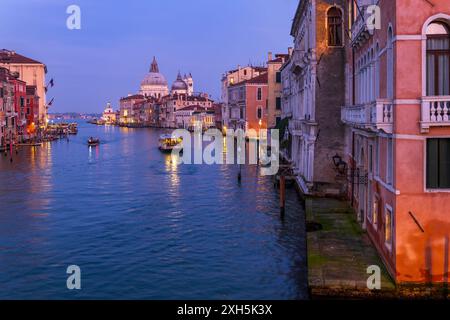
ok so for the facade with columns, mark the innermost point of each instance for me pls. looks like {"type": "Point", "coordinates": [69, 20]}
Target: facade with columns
{"type": "Point", "coordinates": [397, 118]}
{"type": "Point", "coordinates": [313, 91]}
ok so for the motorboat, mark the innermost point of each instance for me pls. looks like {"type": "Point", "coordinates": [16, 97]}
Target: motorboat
{"type": "Point", "coordinates": [167, 143]}
{"type": "Point", "coordinates": [93, 142]}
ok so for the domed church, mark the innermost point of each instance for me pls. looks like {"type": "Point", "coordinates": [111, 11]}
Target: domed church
{"type": "Point", "coordinates": [154, 84]}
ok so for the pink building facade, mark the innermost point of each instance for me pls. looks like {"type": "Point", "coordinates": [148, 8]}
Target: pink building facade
{"type": "Point", "coordinates": [397, 117]}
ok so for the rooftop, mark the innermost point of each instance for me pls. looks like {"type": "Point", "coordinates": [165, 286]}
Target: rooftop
{"type": "Point", "coordinates": [261, 79]}
{"type": "Point", "coordinates": [8, 56]}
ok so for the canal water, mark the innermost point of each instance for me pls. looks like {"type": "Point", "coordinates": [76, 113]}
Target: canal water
{"type": "Point", "coordinates": [142, 227]}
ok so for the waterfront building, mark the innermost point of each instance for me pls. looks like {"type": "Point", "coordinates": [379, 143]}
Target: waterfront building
{"type": "Point", "coordinates": [274, 87]}
{"type": "Point", "coordinates": [179, 86]}
{"type": "Point", "coordinates": [155, 105]}
{"type": "Point", "coordinates": [30, 71]}
{"type": "Point", "coordinates": [195, 117]}
{"type": "Point", "coordinates": [8, 109]}
{"type": "Point", "coordinates": [190, 83]}
{"type": "Point", "coordinates": [218, 107]}
{"type": "Point", "coordinates": [31, 111]}
{"type": "Point", "coordinates": [397, 128]}
{"type": "Point", "coordinates": [20, 95]}
{"type": "Point", "coordinates": [154, 84]}
{"type": "Point", "coordinates": [127, 110]}
{"type": "Point", "coordinates": [230, 78]}
{"type": "Point", "coordinates": [109, 115]}
{"type": "Point", "coordinates": [313, 91]}
{"type": "Point", "coordinates": [176, 101]}
{"type": "Point", "coordinates": [247, 103]}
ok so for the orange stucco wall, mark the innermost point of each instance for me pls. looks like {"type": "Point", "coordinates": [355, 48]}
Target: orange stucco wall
{"type": "Point", "coordinates": [252, 104]}
{"type": "Point", "coordinates": [421, 217]}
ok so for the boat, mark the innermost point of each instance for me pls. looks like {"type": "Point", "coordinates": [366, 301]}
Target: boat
{"type": "Point", "coordinates": [93, 142]}
{"type": "Point", "coordinates": [30, 144]}
{"type": "Point", "coordinates": [167, 143]}
{"type": "Point", "coordinates": [73, 128]}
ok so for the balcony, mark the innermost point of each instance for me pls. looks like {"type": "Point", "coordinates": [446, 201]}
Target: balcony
{"type": "Point", "coordinates": [359, 31]}
{"type": "Point", "coordinates": [376, 116]}
{"type": "Point", "coordinates": [435, 112]}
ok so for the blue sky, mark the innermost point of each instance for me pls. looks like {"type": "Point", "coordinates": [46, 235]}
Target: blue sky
{"type": "Point", "coordinates": [112, 52]}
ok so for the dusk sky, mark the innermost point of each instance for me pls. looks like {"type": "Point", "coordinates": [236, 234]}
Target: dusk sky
{"type": "Point", "coordinates": [112, 52]}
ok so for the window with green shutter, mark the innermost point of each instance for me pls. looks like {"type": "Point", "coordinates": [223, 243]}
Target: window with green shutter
{"type": "Point", "coordinates": [438, 163]}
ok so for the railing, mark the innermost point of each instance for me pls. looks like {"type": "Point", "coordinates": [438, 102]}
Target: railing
{"type": "Point", "coordinates": [382, 115]}
{"type": "Point", "coordinates": [359, 24]}
{"type": "Point", "coordinates": [359, 28]}
{"type": "Point", "coordinates": [295, 125]}
{"type": "Point", "coordinates": [376, 116]}
{"type": "Point", "coordinates": [435, 112]}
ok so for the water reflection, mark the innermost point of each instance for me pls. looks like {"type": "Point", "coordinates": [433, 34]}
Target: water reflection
{"type": "Point", "coordinates": [142, 226]}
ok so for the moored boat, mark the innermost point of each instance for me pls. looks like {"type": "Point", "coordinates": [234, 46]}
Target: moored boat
{"type": "Point", "coordinates": [73, 128]}
{"type": "Point", "coordinates": [167, 143]}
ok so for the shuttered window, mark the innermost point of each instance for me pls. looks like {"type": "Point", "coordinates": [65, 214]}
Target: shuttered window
{"type": "Point", "coordinates": [438, 163]}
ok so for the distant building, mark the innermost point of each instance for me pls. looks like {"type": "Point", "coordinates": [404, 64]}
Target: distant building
{"type": "Point", "coordinates": [274, 87]}
{"type": "Point", "coordinates": [218, 107]}
{"type": "Point", "coordinates": [154, 84]}
{"type": "Point", "coordinates": [127, 110]}
{"type": "Point", "coordinates": [195, 117]}
{"type": "Point", "coordinates": [247, 102]}
{"type": "Point", "coordinates": [171, 103]}
{"type": "Point", "coordinates": [30, 71]}
{"type": "Point", "coordinates": [7, 112]}
{"type": "Point", "coordinates": [20, 95]}
{"type": "Point", "coordinates": [109, 115]}
{"type": "Point", "coordinates": [32, 111]}
{"type": "Point", "coordinates": [230, 78]}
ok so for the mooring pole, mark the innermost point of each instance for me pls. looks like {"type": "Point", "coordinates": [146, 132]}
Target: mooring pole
{"type": "Point", "coordinates": [282, 195]}
{"type": "Point", "coordinates": [240, 173]}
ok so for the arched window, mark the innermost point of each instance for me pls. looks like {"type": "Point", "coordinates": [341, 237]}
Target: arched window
{"type": "Point", "coordinates": [438, 59]}
{"type": "Point", "coordinates": [334, 21]}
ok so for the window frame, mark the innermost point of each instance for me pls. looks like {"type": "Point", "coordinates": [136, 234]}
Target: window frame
{"type": "Point", "coordinates": [389, 242]}
{"type": "Point", "coordinates": [429, 188]}
{"type": "Point", "coordinates": [338, 27]}
{"type": "Point", "coordinates": [375, 214]}
{"type": "Point", "coordinates": [259, 94]}
{"type": "Point", "coordinates": [436, 53]}
{"type": "Point", "coordinates": [259, 109]}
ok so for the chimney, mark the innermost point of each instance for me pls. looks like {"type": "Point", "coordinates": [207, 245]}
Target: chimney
{"type": "Point", "coordinates": [270, 56]}
{"type": "Point", "coordinates": [290, 50]}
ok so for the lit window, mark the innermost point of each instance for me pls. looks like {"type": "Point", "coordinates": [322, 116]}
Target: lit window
{"type": "Point", "coordinates": [375, 208]}
{"type": "Point", "coordinates": [388, 227]}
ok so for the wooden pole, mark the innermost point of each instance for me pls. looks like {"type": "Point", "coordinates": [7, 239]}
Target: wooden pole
{"type": "Point", "coordinates": [282, 195]}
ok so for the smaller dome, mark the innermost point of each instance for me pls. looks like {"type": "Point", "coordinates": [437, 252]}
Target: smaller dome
{"type": "Point", "coordinates": [179, 84]}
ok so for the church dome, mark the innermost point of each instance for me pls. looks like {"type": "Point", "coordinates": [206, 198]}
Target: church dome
{"type": "Point", "coordinates": [154, 78]}
{"type": "Point", "coordinates": [179, 84]}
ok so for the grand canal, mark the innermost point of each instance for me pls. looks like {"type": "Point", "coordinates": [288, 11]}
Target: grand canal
{"type": "Point", "coordinates": [142, 227]}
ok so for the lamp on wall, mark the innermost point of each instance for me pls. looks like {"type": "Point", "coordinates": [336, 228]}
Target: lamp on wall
{"type": "Point", "coordinates": [336, 160]}
{"type": "Point", "coordinates": [341, 165]}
